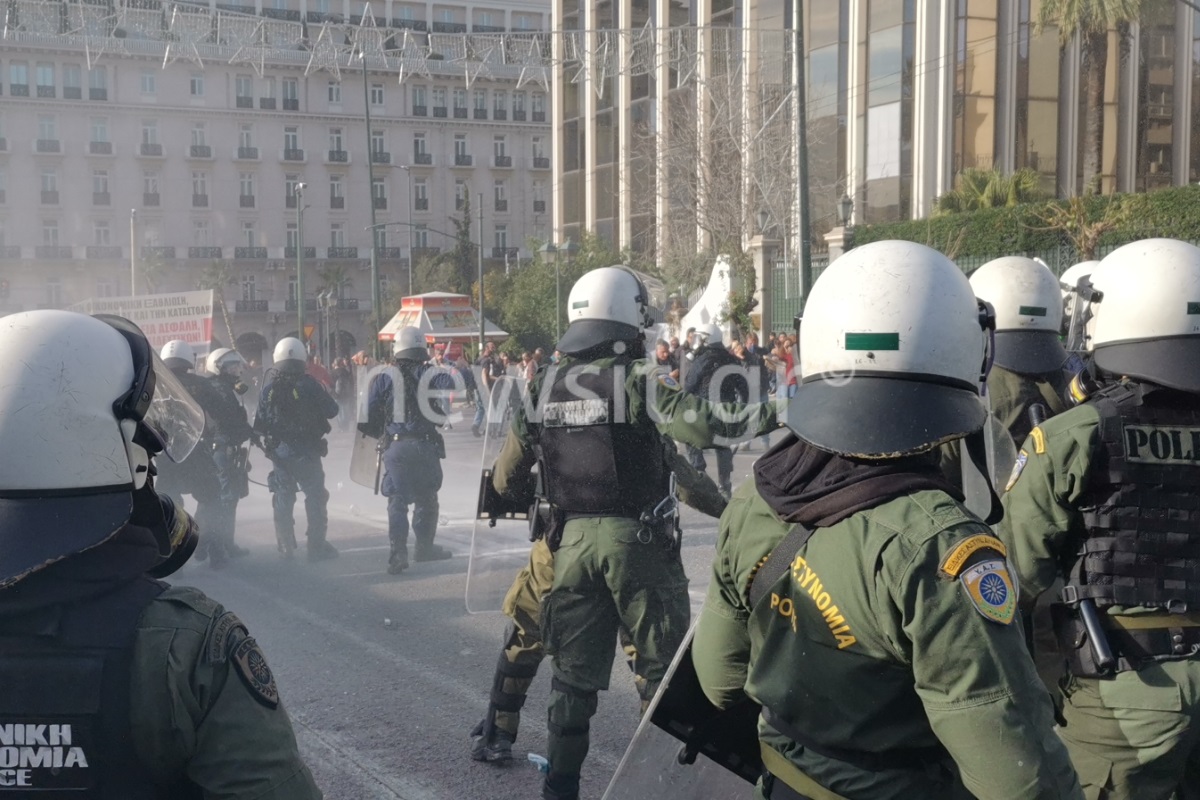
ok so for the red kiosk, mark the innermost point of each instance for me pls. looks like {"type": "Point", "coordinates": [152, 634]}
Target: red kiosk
{"type": "Point", "coordinates": [447, 320]}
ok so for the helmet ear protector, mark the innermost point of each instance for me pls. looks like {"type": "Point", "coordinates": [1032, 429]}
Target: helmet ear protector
{"type": "Point", "coordinates": [987, 323]}
{"type": "Point", "coordinates": [134, 404]}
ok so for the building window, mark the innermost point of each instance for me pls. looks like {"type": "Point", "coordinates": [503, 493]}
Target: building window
{"type": "Point", "coordinates": [196, 84]}
{"type": "Point", "coordinates": [292, 240]}
{"type": "Point", "coordinates": [98, 83]}
{"type": "Point", "coordinates": [538, 147]}
{"type": "Point", "coordinates": [518, 104]}
{"type": "Point", "coordinates": [291, 90]}
{"type": "Point", "coordinates": [499, 100]}
{"type": "Point", "coordinates": [481, 100]}
{"type": "Point", "coordinates": [460, 99]}
{"type": "Point", "coordinates": [106, 287]}
{"type": "Point", "coordinates": [500, 237]}
{"type": "Point", "coordinates": [49, 181]}
{"type": "Point", "coordinates": [498, 145]}
{"type": "Point", "coordinates": [336, 191]}
{"type": "Point", "coordinates": [378, 189]}
{"type": "Point", "coordinates": [99, 182]}
{"type": "Point", "coordinates": [246, 181]}
{"type": "Point", "coordinates": [248, 237]}
{"type": "Point", "coordinates": [537, 103]}
{"type": "Point", "coordinates": [377, 142]}
{"type": "Point", "coordinates": [150, 182]}
{"type": "Point", "coordinates": [246, 136]}
{"type": "Point", "coordinates": [460, 194]}
{"type": "Point", "coordinates": [47, 127]}
{"type": "Point", "coordinates": [335, 139]}
{"type": "Point", "coordinates": [289, 187]}
{"type": "Point", "coordinates": [439, 97]}
{"type": "Point", "coordinates": [335, 93]}
{"type": "Point", "coordinates": [460, 144]}
{"type": "Point", "coordinates": [420, 237]}
{"type": "Point", "coordinates": [149, 131]}
{"type": "Point", "coordinates": [377, 94]}
{"type": "Point", "coordinates": [244, 86]}
{"type": "Point", "coordinates": [101, 233]}
{"type": "Point", "coordinates": [248, 280]}
{"type": "Point", "coordinates": [199, 183]}
{"type": "Point", "coordinates": [420, 193]}
{"type": "Point", "coordinates": [418, 95]}
{"type": "Point", "coordinates": [419, 144]}
{"type": "Point", "coordinates": [45, 79]}
{"type": "Point", "coordinates": [99, 129]}
{"type": "Point", "coordinates": [149, 81]}
{"type": "Point", "coordinates": [200, 233]}
{"type": "Point", "coordinates": [501, 188]}
{"type": "Point", "coordinates": [54, 292]}
{"type": "Point", "coordinates": [198, 134]}
{"type": "Point", "coordinates": [50, 232]}
{"type": "Point", "coordinates": [72, 76]}
{"type": "Point", "coordinates": [291, 138]}
{"type": "Point", "coordinates": [337, 234]}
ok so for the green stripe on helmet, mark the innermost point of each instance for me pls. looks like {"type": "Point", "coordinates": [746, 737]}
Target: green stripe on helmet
{"type": "Point", "coordinates": [872, 341]}
{"type": "Point", "coordinates": [1032, 311]}
{"type": "Point", "coordinates": [579, 304]}
{"type": "Point", "coordinates": [1193, 309]}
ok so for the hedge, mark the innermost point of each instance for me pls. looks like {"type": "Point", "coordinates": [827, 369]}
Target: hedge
{"type": "Point", "coordinates": [994, 232]}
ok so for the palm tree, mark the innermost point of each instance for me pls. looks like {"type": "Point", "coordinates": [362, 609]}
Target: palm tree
{"type": "Point", "coordinates": [1092, 20]}
{"type": "Point", "coordinates": [216, 276]}
{"type": "Point", "coordinates": [334, 279]}
{"type": "Point", "coordinates": [990, 188]}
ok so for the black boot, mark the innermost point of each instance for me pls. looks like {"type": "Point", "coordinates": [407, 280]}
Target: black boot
{"type": "Point", "coordinates": [495, 748]}
{"type": "Point", "coordinates": [321, 551]}
{"type": "Point", "coordinates": [560, 787]}
{"type": "Point", "coordinates": [430, 552]}
{"type": "Point", "coordinates": [398, 560]}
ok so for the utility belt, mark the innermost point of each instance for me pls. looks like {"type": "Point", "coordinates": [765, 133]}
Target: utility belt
{"type": "Point", "coordinates": [898, 758]}
{"type": "Point", "coordinates": [659, 524]}
{"type": "Point", "coordinates": [1129, 642]}
{"type": "Point", "coordinates": [418, 436]}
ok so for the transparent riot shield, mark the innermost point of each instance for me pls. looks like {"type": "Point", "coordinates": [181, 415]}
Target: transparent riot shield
{"type": "Point", "coordinates": [500, 541]}
{"type": "Point", "coordinates": [684, 748]}
{"type": "Point", "coordinates": [981, 487]}
{"type": "Point", "coordinates": [366, 458]}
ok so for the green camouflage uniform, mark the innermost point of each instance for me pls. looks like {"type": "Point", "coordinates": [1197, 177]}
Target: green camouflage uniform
{"type": "Point", "coordinates": [202, 712]}
{"type": "Point", "coordinates": [1134, 735]}
{"type": "Point", "coordinates": [1011, 394]}
{"type": "Point", "coordinates": [604, 578]}
{"type": "Point", "coordinates": [873, 645]}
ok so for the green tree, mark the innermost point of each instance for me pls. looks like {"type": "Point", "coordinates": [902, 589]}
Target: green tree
{"type": "Point", "coordinates": [454, 270]}
{"type": "Point", "coordinates": [334, 278]}
{"type": "Point", "coordinates": [216, 276]}
{"type": "Point", "coordinates": [1085, 223]}
{"type": "Point", "coordinates": [1092, 20]}
{"type": "Point", "coordinates": [990, 188]}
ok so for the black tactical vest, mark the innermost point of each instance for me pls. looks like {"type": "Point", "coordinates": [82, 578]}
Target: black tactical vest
{"type": "Point", "coordinates": [1142, 508]}
{"type": "Point", "coordinates": [65, 731]}
{"type": "Point", "coordinates": [595, 458]}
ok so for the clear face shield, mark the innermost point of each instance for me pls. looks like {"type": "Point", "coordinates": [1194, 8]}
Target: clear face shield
{"type": "Point", "coordinates": [987, 456]}
{"type": "Point", "coordinates": [653, 293]}
{"type": "Point", "coordinates": [1079, 309]}
{"type": "Point", "coordinates": [157, 399]}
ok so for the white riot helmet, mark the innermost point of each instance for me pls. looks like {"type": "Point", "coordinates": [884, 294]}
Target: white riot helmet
{"type": "Point", "coordinates": [87, 405]}
{"type": "Point", "coordinates": [409, 345]}
{"type": "Point", "coordinates": [225, 361]}
{"type": "Point", "coordinates": [1027, 300]}
{"type": "Point", "coordinates": [290, 355]}
{"type": "Point", "coordinates": [178, 356]}
{"type": "Point", "coordinates": [708, 334]}
{"type": "Point", "coordinates": [1147, 319]}
{"type": "Point", "coordinates": [608, 304]}
{"type": "Point", "coordinates": [893, 348]}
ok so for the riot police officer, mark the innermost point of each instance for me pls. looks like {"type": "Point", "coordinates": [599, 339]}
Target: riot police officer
{"type": "Point", "coordinates": [293, 418]}
{"type": "Point", "coordinates": [116, 684]}
{"type": "Point", "coordinates": [712, 361]}
{"type": "Point", "coordinates": [197, 475]}
{"type": "Point", "coordinates": [853, 595]}
{"type": "Point", "coordinates": [227, 432]}
{"type": "Point", "coordinates": [601, 461]}
{"type": "Point", "coordinates": [1031, 365]}
{"type": "Point", "coordinates": [1104, 497]}
{"type": "Point", "coordinates": [403, 408]}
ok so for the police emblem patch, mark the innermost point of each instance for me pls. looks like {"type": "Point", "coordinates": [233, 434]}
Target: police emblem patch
{"type": "Point", "coordinates": [256, 674]}
{"type": "Point", "coordinates": [1018, 465]}
{"type": "Point", "coordinates": [991, 590]}
{"type": "Point", "coordinates": [667, 382]}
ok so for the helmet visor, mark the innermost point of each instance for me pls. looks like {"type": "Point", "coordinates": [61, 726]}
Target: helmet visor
{"type": "Point", "coordinates": [157, 399]}
{"type": "Point", "coordinates": [1081, 301]}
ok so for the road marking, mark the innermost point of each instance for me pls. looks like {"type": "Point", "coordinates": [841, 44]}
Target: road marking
{"type": "Point", "coordinates": [336, 754]}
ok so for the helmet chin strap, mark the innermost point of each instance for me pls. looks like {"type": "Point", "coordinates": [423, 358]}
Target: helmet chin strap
{"type": "Point", "coordinates": [136, 451]}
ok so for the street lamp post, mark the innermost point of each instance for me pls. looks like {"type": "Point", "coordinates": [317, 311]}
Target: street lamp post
{"type": "Point", "coordinates": [481, 331]}
{"type": "Point", "coordinates": [545, 250]}
{"type": "Point", "coordinates": [300, 263]}
{"type": "Point", "coordinates": [376, 308]}
{"type": "Point", "coordinates": [408, 180]}
{"type": "Point", "coordinates": [133, 252]}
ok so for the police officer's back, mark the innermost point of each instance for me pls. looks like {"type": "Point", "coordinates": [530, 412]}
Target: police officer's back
{"type": "Point", "coordinates": [116, 685]}
{"type": "Point", "coordinates": [1104, 497]}
{"type": "Point", "coordinates": [197, 475]}
{"type": "Point", "coordinates": [227, 431]}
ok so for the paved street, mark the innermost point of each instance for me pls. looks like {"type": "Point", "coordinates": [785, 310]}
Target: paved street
{"type": "Point", "coordinates": [384, 711]}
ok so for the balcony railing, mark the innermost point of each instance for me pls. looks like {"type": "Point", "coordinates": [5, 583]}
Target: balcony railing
{"type": "Point", "coordinates": [250, 306]}
{"type": "Point", "coordinates": [541, 162]}
{"type": "Point", "coordinates": [518, 116]}
{"type": "Point", "coordinates": [337, 202]}
{"type": "Point", "coordinates": [503, 161]}
{"type": "Point", "coordinates": [246, 201]}
{"type": "Point", "coordinates": [147, 149]}
{"type": "Point", "coordinates": [46, 91]}
{"type": "Point", "coordinates": [249, 153]}
{"type": "Point", "coordinates": [460, 113]}
{"type": "Point", "coordinates": [289, 14]}
{"type": "Point", "coordinates": [421, 204]}
{"type": "Point", "coordinates": [103, 251]}
{"type": "Point", "coordinates": [150, 199]}
{"type": "Point", "coordinates": [100, 148]}
{"type": "Point", "coordinates": [504, 252]}
{"type": "Point", "coordinates": [425, 252]}
{"type": "Point", "coordinates": [200, 151]}
{"type": "Point", "coordinates": [380, 203]}
{"type": "Point", "coordinates": [244, 102]}
{"type": "Point", "coordinates": [449, 27]}
{"type": "Point", "coordinates": [49, 146]}
{"type": "Point", "coordinates": [293, 154]}
{"type": "Point", "coordinates": [249, 252]}
{"type": "Point", "coordinates": [480, 113]}
{"type": "Point", "coordinates": [501, 205]}
{"type": "Point", "coordinates": [411, 24]}
{"type": "Point", "coordinates": [391, 253]}
{"type": "Point", "coordinates": [499, 114]}
{"type": "Point", "coordinates": [52, 251]}
{"type": "Point", "coordinates": [164, 252]}
{"type": "Point", "coordinates": [342, 252]}
{"type": "Point", "coordinates": [97, 94]}
{"type": "Point", "coordinates": [19, 89]}
{"type": "Point", "coordinates": [49, 197]}
{"type": "Point", "coordinates": [72, 93]}
{"type": "Point", "coordinates": [420, 111]}
{"type": "Point", "coordinates": [538, 116]}
{"type": "Point", "coordinates": [101, 199]}
{"type": "Point", "coordinates": [309, 252]}
{"type": "Point", "coordinates": [487, 29]}
{"type": "Point", "coordinates": [199, 201]}
{"type": "Point", "coordinates": [10, 251]}
{"type": "Point", "coordinates": [440, 112]}
{"type": "Point", "coordinates": [338, 157]}
{"type": "Point", "coordinates": [291, 104]}
{"type": "Point", "coordinates": [380, 157]}
{"type": "Point", "coordinates": [204, 252]}
{"type": "Point", "coordinates": [539, 206]}
{"type": "Point", "coordinates": [462, 160]}
{"type": "Point", "coordinates": [423, 159]}
{"type": "Point", "coordinates": [266, 103]}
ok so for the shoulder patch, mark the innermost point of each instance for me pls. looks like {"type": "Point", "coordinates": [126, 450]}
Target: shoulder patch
{"type": "Point", "coordinates": [222, 639]}
{"type": "Point", "coordinates": [992, 590]}
{"type": "Point", "coordinates": [667, 382]}
{"type": "Point", "coordinates": [251, 665]}
{"type": "Point", "coordinates": [957, 558]}
{"type": "Point", "coordinates": [1018, 468]}
{"type": "Point", "coordinates": [1039, 440]}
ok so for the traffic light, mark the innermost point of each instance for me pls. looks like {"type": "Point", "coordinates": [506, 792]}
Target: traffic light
{"type": "Point", "coordinates": [3, 289]}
